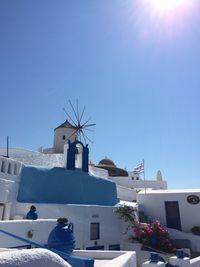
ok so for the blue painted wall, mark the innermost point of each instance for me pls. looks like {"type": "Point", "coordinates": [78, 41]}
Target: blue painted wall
{"type": "Point", "coordinates": [62, 186]}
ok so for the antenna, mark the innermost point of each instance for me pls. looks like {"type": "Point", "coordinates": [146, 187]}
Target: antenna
{"type": "Point", "coordinates": [7, 147]}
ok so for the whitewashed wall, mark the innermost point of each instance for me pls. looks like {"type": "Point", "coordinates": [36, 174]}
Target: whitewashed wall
{"type": "Point", "coordinates": [81, 216]}
{"type": "Point", "coordinates": [125, 193]}
{"type": "Point", "coordinates": [31, 258]}
{"type": "Point", "coordinates": [128, 182]}
{"type": "Point", "coordinates": [58, 140]}
{"type": "Point", "coordinates": [115, 258]}
{"type": "Point", "coordinates": [194, 239]}
{"type": "Point", "coordinates": [9, 169]}
{"type": "Point", "coordinates": [98, 172]}
{"type": "Point", "coordinates": [39, 228]}
{"type": "Point", "coordinates": [153, 204]}
{"type": "Point", "coordinates": [9, 181]}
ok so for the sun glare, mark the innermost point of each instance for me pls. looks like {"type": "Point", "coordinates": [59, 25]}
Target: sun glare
{"type": "Point", "coordinates": [163, 5]}
{"type": "Point", "coordinates": [161, 20]}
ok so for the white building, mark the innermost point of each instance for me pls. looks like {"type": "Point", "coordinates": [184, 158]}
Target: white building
{"type": "Point", "coordinates": [62, 134]}
{"type": "Point", "coordinates": [178, 209]}
{"type": "Point", "coordinates": [81, 197]}
{"type": "Point", "coordinates": [128, 183]}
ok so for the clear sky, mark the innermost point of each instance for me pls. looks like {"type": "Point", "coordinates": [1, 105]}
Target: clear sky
{"type": "Point", "coordinates": [135, 64]}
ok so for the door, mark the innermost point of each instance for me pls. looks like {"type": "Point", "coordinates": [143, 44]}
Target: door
{"type": "Point", "coordinates": [172, 215]}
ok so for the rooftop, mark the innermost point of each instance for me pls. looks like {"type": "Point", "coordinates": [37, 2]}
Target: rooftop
{"type": "Point", "coordinates": [169, 191]}
{"type": "Point", "coordinates": [33, 158]}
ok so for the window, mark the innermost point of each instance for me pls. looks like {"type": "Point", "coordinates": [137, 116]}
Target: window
{"type": "Point", "coordinates": [9, 168]}
{"type": "Point", "coordinates": [63, 137]}
{"type": "Point", "coordinates": [114, 247]}
{"type": "Point", "coordinates": [94, 231]}
{"type": "Point", "coordinates": [95, 248]}
{"type": "Point", "coordinates": [3, 166]}
{"type": "Point", "coordinates": [15, 169]}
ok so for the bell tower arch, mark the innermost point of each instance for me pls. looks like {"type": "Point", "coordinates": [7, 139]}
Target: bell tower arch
{"type": "Point", "coordinates": [77, 156]}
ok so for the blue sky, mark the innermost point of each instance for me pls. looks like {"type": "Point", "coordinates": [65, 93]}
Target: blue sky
{"type": "Point", "coordinates": [136, 68]}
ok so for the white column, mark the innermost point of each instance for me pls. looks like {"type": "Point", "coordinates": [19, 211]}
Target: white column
{"type": "Point", "coordinates": [79, 157]}
{"type": "Point", "coordinates": [66, 146]}
{"type": "Point", "coordinates": [6, 214]}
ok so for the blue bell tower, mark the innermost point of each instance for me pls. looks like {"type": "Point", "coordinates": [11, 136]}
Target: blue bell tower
{"type": "Point", "coordinates": [73, 150]}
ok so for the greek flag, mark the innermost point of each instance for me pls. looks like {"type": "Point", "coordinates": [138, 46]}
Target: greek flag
{"type": "Point", "coordinates": [139, 168]}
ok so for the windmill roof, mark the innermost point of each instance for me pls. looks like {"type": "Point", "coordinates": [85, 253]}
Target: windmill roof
{"type": "Point", "coordinates": [65, 124]}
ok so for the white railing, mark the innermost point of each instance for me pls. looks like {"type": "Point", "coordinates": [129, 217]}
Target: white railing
{"type": "Point", "coordinates": [195, 262]}
{"type": "Point", "coordinates": [113, 258]}
{"type": "Point", "coordinates": [183, 261]}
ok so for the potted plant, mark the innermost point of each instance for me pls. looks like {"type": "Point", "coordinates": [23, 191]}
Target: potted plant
{"type": "Point", "coordinates": [152, 234]}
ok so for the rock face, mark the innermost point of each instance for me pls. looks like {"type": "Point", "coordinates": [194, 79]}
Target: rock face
{"type": "Point", "coordinates": [31, 258]}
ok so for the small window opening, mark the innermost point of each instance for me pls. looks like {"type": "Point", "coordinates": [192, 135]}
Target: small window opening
{"type": "Point", "coordinates": [15, 169]}
{"type": "Point", "coordinates": [9, 168]}
{"type": "Point", "coordinates": [63, 137]}
{"type": "Point", "coordinates": [3, 166]}
{"type": "Point", "coordinates": [94, 231]}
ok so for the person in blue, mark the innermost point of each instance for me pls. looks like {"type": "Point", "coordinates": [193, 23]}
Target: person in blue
{"type": "Point", "coordinates": [32, 214]}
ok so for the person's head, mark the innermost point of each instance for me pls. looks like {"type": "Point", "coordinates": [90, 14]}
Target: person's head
{"type": "Point", "coordinates": [33, 208]}
{"type": "Point", "coordinates": [62, 220]}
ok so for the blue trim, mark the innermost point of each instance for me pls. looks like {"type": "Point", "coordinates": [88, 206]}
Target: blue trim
{"type": "Point", "coordinates": [73, 260]}
{"type": "Point", "coordinates": [71, 153]}
{"type": "Point", "coordinates": [85, 159]}
{"type": "Point", "coordinates": [71, 156]}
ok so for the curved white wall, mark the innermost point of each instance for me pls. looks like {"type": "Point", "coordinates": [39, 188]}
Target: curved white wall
{"type": "Point", "coordinates": [31, 258]}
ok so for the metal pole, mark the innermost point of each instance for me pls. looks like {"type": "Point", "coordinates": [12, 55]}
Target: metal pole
{"type": "Point", "coordinates": [144, 177]}
{"type": "Point", "coordinates": [7, 147]}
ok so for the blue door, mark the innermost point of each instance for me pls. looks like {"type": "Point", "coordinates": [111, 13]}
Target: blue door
{"type": "Point", "coordinates": [172, 215]}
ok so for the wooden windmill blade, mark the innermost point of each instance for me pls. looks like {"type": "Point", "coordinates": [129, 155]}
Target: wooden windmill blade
{"type": "Point", "coordinates": [82, 126]}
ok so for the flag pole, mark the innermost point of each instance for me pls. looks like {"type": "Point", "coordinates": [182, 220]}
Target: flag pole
{"type": "Point", "coordinates": [144, 176]}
